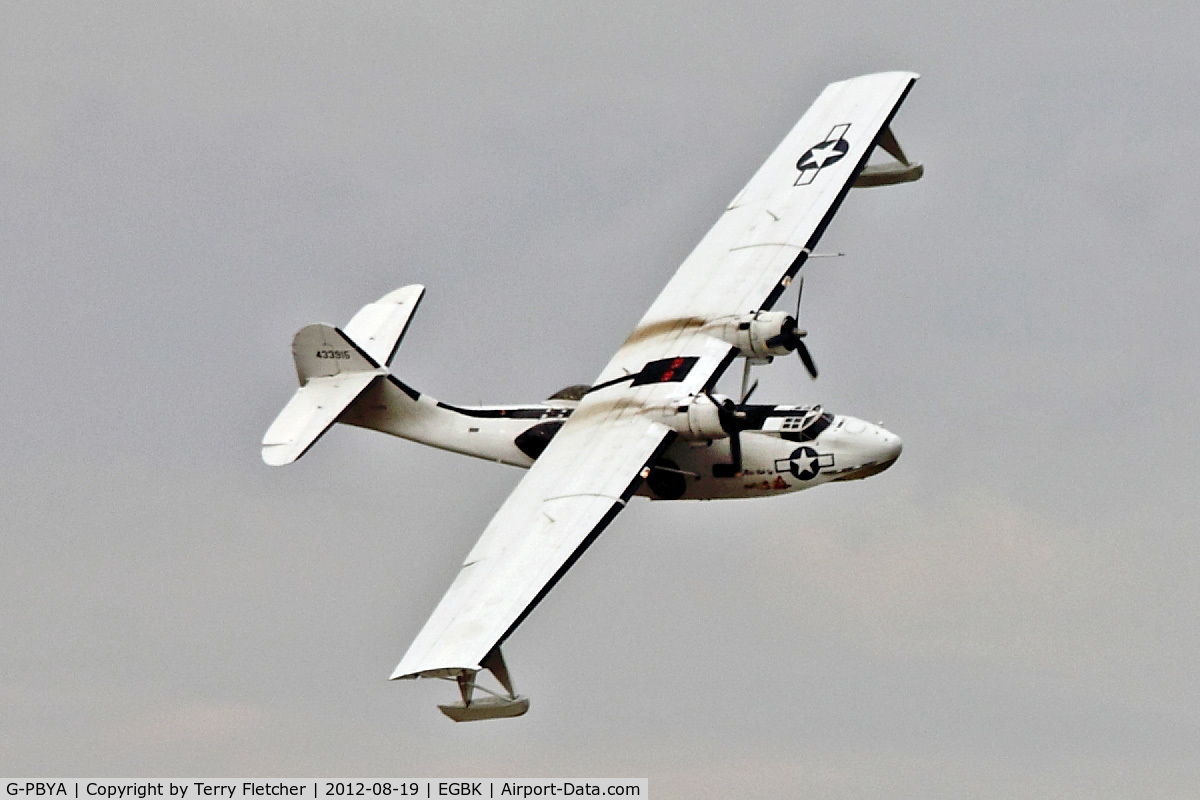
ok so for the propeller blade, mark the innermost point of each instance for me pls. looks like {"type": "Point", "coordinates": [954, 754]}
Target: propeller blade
{"type": "Point", "coordinates": [799, 294]}
{"type": "Point", "coordinates": [806, 357]}
{"type": "Point", "coordinates": [733, 421]}
{"type": "Point", "coordinates": [725, 412]}
{"type": "Point", "coordinates": [749, 392]}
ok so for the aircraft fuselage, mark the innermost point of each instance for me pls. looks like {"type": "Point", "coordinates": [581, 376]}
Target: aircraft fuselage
{"type": "Point", "coordinates": [785, 448]}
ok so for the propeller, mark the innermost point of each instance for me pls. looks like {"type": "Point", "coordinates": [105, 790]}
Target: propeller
{"type": "Point", "coordinates": [733, 421]}
{"type": "Point", "coordinates": [792, 335]}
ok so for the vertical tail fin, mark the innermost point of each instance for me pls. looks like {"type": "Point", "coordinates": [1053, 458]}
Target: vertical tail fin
{"type": "Point", "coordinates": [323, 351]}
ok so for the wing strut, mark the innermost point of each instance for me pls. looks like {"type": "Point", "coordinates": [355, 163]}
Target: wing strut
{"type": "Point", "coordinates": [495, 705]}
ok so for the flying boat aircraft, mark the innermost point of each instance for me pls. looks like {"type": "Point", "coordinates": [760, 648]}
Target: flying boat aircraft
{"type": "Point", "coordinates": [651, 423]}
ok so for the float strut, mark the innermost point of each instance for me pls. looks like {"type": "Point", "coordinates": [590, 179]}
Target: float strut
{"type": "Point", "coordinates": [493, 662]}
{"type": "Point", "coordinates": [466, 686]}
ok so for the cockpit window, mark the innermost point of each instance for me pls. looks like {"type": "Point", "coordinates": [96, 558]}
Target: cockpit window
{"type": "Point", "coordinates": [808, 426]}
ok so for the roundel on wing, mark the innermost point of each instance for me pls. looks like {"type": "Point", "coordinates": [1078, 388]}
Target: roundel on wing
{"type": "Point", "coordinates": [805, 464]}
{"type": "Point", "coordinates": [823, 154]}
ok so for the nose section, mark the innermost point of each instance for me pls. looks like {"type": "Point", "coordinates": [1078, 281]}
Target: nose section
{"type": "Point", "coordinates": [887, 446]}
{"type": "Point", "coordinates": [884, 448]}
{"type": "Point", "coordinates": [874, 447]}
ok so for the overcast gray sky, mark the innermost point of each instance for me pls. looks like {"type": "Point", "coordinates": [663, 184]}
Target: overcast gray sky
{"type": "Point", "coordinates": [1009, 611]}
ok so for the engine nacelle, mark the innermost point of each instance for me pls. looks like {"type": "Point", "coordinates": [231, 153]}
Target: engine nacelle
{"type": "Point", "coordinates": [698, 418]}
{"type": "Point", "coordinates": [750, 333]}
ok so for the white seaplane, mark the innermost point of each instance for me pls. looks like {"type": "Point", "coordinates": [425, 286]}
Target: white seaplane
{"type": "Point", "coordinates": [650, 424]}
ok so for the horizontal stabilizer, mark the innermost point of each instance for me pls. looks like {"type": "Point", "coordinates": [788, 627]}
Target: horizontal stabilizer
{"type": "Point", "coordinates": [378, 327]}
{"type": "Point", "coordinates": [312, 410]}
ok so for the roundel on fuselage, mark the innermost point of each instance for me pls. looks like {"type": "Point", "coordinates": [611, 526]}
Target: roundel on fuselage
{"type": "Point", "coordinates": [805, 464]}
